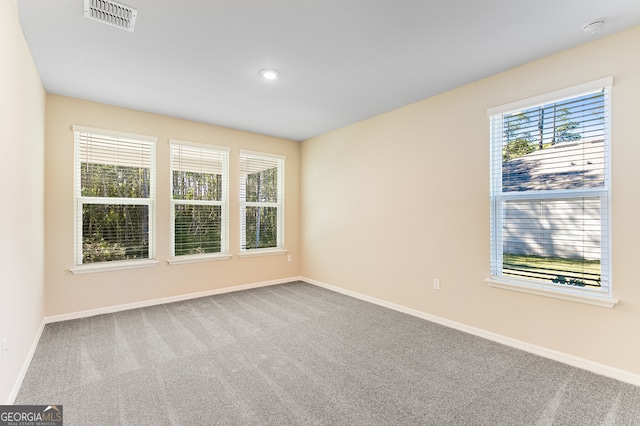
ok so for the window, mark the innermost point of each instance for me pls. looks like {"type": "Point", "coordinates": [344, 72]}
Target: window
{"type": "Point", "coordinates": [199, 201]}
{"type": "Point", "coordinates": [114, 197]}
{"type": "Point", "coordinates": [550, 194]}
{"type": "Point", "coordinates": [261, 202]}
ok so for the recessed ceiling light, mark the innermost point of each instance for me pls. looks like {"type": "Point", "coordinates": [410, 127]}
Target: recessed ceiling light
{"type": "Point", "coordinates": [269, 74]}
{"type": "Point", "coordinates": [593, 27]}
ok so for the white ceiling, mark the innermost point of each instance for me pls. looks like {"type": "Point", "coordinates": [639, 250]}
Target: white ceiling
{"type": "Point", "coordinates": [340, 61]}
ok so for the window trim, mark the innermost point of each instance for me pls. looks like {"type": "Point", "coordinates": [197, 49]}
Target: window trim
{"type": "Point", "coordinates": [85, 268]}
{"type": "Point", "coordinates": [262, 252]}
{"type": "Point", "coordinates": [119, 265]}
{"type": "Point", "coordinates": [198, 258]}
{"type": "Point", "coordinates": [603, 297]}
{"type": "Point", "coordinates": [555, 96]}
{"type": "Point", "coordinates": [279, 205]}
{"type": "Point", "coordinates": [542, 289]}
{"type": "Point", "coordinates": [224, 253]}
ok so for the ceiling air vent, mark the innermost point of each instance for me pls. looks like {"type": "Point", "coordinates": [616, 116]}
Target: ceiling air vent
{"type": "Point", "coordinates": [111, 13]}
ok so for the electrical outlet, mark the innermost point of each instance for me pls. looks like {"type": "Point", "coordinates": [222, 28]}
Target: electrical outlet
{"type": "Point", "coordinates": [289, 258]}
{"type": "Point", "coordinates": [436, 284]}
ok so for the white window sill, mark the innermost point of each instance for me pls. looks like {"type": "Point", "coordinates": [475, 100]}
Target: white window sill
{"type": "Point", "coordinates": [261, 252]}
{"type": "Point", "coordinates": [571, 294]}
{"type": "Point", "coordinates": [113, 266]}
{"type": "Point", "coordinates": [180, 260]}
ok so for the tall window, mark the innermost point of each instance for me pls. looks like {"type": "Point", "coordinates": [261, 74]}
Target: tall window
{"type": "Point", "coordinates": [199, 200]}
{"type": "Point", "coordinates": [261, 201]}
{"type": "Point", "coordinates": [550, 191]}
{"type": "Point", "coordinates": [114, 195]}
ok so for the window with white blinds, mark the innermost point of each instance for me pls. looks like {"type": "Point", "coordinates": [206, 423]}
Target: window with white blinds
{"type": "Point", "coordinates": [261, 201]}
{"type": "Point", "coordinates": [199, 199]}
{"type": "Point", "coordinates": [550, 222]}
{"type": "Point", "coordinates": [114, 196]}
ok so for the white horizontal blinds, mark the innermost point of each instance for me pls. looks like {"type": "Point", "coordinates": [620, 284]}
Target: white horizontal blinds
{"type": "Point", "coordinates": [262, 201]}
{"type": "Point", "coordinates": [549, 188]}
{"type": "Point", "coordinates": [558, 145]}
{"type": "Point", "coordinates": [115, 196]}
{"type": "Point", "coordinates": [538, 234]}
{"type": "Point", "coordinates": [125, 163]}
{"type": "Point", "coordinates": [199, 173]}
{"type": "Point", "coordinates": [199, 206]}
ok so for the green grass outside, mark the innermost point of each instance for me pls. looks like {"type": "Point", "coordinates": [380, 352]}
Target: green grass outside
{"type": "Point", "coordinates": [550, 268]}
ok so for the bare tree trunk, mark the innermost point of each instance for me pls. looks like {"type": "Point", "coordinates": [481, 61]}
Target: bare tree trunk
{"type": "Point", "coordinates": [259, 209]}
{"type": "Point", "coordinates": [541, 127]}
{"type": "Point", "coordinates": [555, 107]}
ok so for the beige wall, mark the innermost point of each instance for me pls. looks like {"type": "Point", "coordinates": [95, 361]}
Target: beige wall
{"type": "Point", "coordinates": [67, 293]}
{"type": "Point", "coordinates": [22, 112]}
{"type": "Point", "coordinates": [390, 203]}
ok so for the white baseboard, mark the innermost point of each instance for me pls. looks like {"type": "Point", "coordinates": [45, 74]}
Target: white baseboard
{"type": "Point", "coordinates": [163, 300]}
{"type": "Point", "coordinates": [585, 364]}
{"type": "Point", "coordinates": [25, 366]}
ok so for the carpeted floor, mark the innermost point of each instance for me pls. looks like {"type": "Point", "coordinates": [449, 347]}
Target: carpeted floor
{"type": "Point", "coordinates": [297, 354]}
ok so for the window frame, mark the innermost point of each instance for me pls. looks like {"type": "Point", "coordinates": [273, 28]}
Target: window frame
{"type": "Point", "coordinates": [80, 200]}
{"type": "Point", "coordinates": [279, 205]}
{"type": "Point", "coordinates": [224, 253]}
{"type": "Point", "coordinates": [600, 297]}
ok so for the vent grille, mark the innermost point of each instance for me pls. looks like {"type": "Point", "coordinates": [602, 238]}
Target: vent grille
{"type": "Point", "coordinates": [111, 13]}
